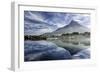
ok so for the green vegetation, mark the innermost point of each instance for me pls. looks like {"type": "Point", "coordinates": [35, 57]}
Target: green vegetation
{"type": "Point", "coordinates": [66, 36]}
{"type": "Point", "coordinates": [76, 33]}
{"type": "Point", "coordinates": [34, 38]}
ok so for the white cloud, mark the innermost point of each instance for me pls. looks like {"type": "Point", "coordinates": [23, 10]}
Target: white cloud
{"type": "Point", "coordinates": [36, 16]}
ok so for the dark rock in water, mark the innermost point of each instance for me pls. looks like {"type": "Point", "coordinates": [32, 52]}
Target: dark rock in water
{"type": "Point", "coordinates": [73, 50]}
{"type": "Point", "coordinates": [84, 54]}
{"type": "Point", "coordinates": [43, 50]}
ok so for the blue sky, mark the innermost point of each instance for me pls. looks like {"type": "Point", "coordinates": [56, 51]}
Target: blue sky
{"type": "Point", "coordinates": [36, 23]}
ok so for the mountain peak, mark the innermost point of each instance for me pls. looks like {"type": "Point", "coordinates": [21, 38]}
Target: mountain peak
{"type": "Point", "coordinates": [72, 27]}
{"type": "Point", "coordinates": [73, 24]}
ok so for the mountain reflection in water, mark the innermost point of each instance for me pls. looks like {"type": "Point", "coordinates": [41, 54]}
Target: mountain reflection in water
{"type": "Point", "coordinates": [53, 50]}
